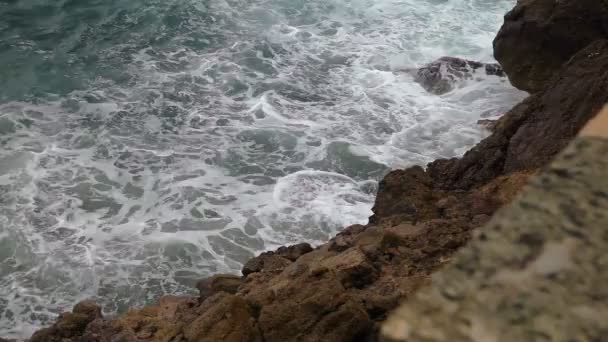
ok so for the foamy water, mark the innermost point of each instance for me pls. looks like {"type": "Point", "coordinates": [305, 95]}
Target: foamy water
{"type": "Point", "coordinates": [151, 144]}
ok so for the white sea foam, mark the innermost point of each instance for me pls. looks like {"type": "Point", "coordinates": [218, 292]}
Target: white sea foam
{"type": "Point", "coordinates": [210, 155]}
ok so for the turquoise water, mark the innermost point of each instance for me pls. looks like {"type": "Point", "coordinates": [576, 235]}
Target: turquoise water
{"type": "Point", "coordinates": [146, 144]}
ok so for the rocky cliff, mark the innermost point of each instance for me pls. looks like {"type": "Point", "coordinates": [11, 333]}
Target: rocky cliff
{"type": "Point", "coordinates": [342, 290]}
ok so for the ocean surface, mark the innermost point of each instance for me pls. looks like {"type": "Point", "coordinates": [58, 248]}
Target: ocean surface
{"type": "Point", "coordinates": [145, 144]}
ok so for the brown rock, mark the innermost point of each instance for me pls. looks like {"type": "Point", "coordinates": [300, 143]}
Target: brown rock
{"type": "Point", "coordinates": [294, 252]}
{"type": "Point", "coordinates": [276, 260]}
{"type": "Point", "coordinates": [220, 282]}
{"type": "Point", "coordinates": [344, 239]}
{"type": "Point", "coordinates": [406, 195]}
{"type": "Point", "coordinates": [69, 324]}
{"type": "Point", "coordinates": [268, 261]}
{"type": "Point", "coordinates": [313, 308]}
{"type": "Point", "coordinates": [539, 36]}
{"type": "Point", "coordinates": [352, 268]}
{"type": "Point", "coordinates": [225, 317]}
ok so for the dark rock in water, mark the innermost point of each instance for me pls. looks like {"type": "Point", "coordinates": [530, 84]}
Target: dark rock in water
{"type": "Point", "coordinates": [538, 36]}
{"type": "Point", "coordinates": [532, 133]}
{"type": "Point", "coordinates": [440, 76]}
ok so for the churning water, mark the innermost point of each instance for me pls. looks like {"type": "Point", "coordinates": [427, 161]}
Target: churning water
{"type": "Point", "coordinates": [145, 144]}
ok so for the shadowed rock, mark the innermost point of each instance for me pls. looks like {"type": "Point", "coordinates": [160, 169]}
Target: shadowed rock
{"type": "Point", "coordinates": [539, 36]}
{"type": "Point", "coordinates": [532, 133]}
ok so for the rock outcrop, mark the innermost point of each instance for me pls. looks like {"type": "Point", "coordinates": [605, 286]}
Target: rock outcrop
{"type": "Point", "coordinates": [535, 271]}
{"type": "Point", "coordinates": [533, 132]}
{"type": "Point", "coordinates": [538, 36]}
{"type": "Point", "coordinates": [442, 75]}
{"type": "Point", "coordinates": [342, 290]}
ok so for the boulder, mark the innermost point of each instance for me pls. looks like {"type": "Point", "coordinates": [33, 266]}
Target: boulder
{"type": "Point", "coordinates": [539, 36]}
{"type": "Point", "coordinates": [294, 252]}
{"type": "Point", "coordinates": [442, 75]}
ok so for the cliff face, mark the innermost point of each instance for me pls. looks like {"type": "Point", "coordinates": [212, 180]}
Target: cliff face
{"type": "Point", "coordinates": [341, 290]}
{"type": "Point", "coordinates": [536, 271]}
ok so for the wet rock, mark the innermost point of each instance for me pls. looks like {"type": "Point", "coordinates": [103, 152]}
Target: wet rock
{"type": "Point", "coordinates": [442, 75]}
{"type": "Point", "coordinates": [220, 282]}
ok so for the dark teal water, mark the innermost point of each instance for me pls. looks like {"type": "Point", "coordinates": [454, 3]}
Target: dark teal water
{"type": "Point", "coordinates": [146, 144]}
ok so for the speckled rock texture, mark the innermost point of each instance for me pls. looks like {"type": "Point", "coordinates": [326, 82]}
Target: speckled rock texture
{"type": "Point", "coordinates": [536, 272]}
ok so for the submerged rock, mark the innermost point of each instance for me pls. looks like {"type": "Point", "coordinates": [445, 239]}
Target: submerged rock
{"type": "Point", "coordinates": [441, 76]}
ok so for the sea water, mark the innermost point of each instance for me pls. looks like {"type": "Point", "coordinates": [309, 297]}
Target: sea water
{"type": "Point", "coordinates": [145, 144]}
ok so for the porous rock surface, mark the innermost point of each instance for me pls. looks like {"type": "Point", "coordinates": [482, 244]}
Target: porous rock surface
{"type": "Point", "coordinates": [536, 272]}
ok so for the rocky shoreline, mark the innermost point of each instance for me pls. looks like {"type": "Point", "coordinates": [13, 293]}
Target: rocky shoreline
{"type": "Point", "coordinates": [344, 289]}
